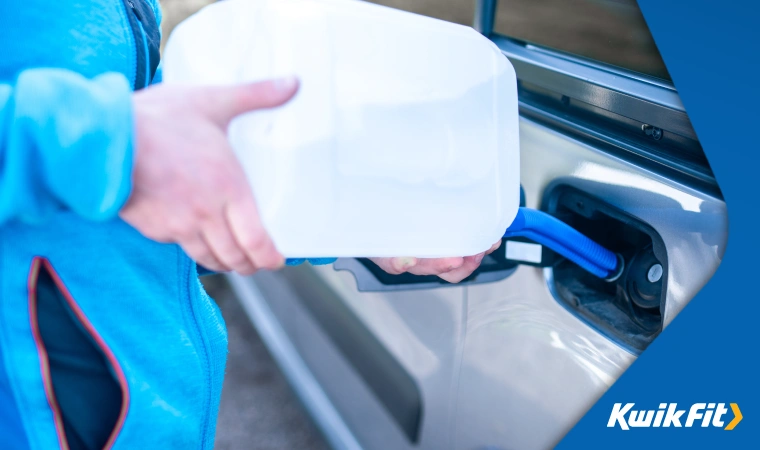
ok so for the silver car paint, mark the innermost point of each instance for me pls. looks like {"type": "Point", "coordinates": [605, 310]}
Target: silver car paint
{"type": "Point", "coordinates": [543, 367]}
{"type": "Point", "coordinates": [504, 364]}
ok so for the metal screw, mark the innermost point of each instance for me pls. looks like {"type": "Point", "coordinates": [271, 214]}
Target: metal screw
{"type": "Point", "coordinates": [655, 273]}
{"type": "Point", "coordinates": [653, 132]}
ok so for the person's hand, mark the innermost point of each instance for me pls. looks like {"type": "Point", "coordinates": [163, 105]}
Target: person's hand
{"type": "Point", "coordinates": [188, 187]}
{"type": "Point", "coordinates": [452, 270]}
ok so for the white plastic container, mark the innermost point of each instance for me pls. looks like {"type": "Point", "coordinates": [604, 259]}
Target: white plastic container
{"type": "Point", "coordinates": [402, 140]}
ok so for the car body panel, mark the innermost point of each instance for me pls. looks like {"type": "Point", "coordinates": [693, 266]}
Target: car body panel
{"type": "Point", "coordinates": [527, 359]}
{"type": "Point", "coordinates": [422, 329]}
{"type": "Point", "coordinates": [492, 360]}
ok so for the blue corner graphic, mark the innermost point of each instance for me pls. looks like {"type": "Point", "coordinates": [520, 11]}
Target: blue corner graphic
{"type": "Point", "coordinates": [709, 353]}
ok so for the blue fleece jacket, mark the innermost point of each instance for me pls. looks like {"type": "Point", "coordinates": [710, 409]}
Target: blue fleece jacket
{"type": "Point", "coordinates": [66, 151]}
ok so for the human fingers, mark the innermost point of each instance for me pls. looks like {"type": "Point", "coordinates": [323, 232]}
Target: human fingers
{"type": "Point", "coordinates": [224, 103]}
{"type": "Point", "coordinates": [249, 233]}
{"type": "Point", "coordinates": [395, 266]}
{"type": "Point", "coordinates": [219, 238]}
{"type": "Point", "coordinates": [197, 249]}
{"type": "Point", "coordinates": [469, 265]}
{"type": "Point", "coordinates": [435, 266]}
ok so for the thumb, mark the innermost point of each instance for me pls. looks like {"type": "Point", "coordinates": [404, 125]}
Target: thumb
{"type": "Point", "coordinates": [224, 103]}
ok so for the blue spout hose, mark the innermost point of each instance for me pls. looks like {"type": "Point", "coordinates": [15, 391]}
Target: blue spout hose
{"type": "Point", "coordinates": [551, 232]}
{"type": "Point", "coordinates": [565, 240]}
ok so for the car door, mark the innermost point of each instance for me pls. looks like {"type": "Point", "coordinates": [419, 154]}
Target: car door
{"type": "Point", "coordinates": [513, 356]}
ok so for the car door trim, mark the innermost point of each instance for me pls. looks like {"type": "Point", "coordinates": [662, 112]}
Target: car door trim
{"type": "Point", "coordinates": [294, 368]}
{"type": "Point", "coordinates": [393, 386]}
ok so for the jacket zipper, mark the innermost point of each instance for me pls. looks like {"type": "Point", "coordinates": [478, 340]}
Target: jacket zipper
{"type": "Point", "coordinates": [193, 306]}
{"type": "Point", "coordinates": [142, 60]}
{"type": "Point", "coordinates": [145, 51]}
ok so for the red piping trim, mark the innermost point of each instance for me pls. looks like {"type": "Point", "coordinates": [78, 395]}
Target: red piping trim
{"type": "Point", "coordinates": [37, 262]}
{"type": "Point", "coordinates": [44, 363]}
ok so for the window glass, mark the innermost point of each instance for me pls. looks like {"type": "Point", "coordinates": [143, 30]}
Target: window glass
{"type": "Point", "coordinates": [458, 11]}
{"type": "Point", "coordinates": [610, 31]}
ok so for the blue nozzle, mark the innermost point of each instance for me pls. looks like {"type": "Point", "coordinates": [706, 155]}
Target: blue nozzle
{"type": "Point", "coordinates": [551, 232]}
{"type": "Point", "coordinates": [565, 240]}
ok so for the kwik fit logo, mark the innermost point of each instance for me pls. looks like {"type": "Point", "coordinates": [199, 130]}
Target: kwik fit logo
{"type": "Point", "coordinates": [669, 415]}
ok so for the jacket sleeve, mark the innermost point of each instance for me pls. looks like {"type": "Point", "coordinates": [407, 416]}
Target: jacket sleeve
{"type": "Point", "coordinates": [65, 142]}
